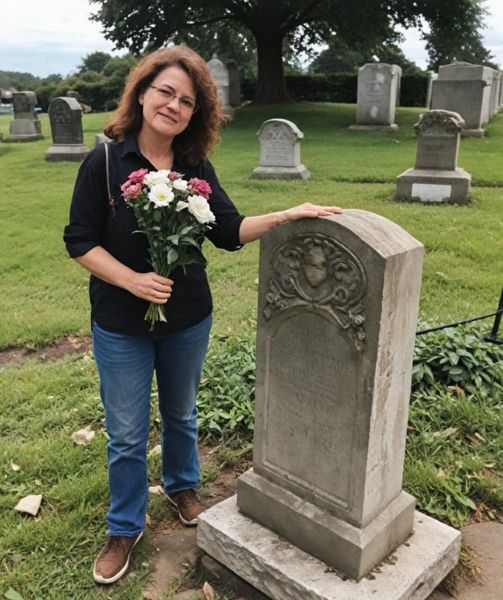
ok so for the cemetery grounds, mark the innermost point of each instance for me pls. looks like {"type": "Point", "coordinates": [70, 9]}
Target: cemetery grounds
{"type": "Point", "coordinates": [454, 460]}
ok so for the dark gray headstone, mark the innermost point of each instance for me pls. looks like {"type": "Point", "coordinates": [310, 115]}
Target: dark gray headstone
{"type": "Point", "coordinates": [65, 115]}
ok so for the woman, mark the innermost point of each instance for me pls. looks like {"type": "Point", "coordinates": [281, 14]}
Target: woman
{"type": "Point", "coordinates": [168, 118]}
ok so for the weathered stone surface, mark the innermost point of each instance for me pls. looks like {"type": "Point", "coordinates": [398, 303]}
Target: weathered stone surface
{"type": "Point", "coordinates": [284, 572]}
{"type": "Point", "coordinates": [436, 177]}
{"type": "Point", "coordinates": [280, 151]}
{"type": "Point", "coordinates": [434, 186]}
{"type": "Point", "coordinates": [331, 398]}
{"type": "Point", "coordinates": [438, 133]}
{"type": "Point", "coordinates": [220, 74]}
{"type": "Point", "coordinates": [65, 115]}
{"type": "Point", "coordinates": [26, 126]}
{"type": "Point", "coordinates": [378, 89]}
{"type": "Point", "coordinates": [234, 83]}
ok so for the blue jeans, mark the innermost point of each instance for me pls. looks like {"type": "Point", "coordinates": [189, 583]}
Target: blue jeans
{"type": "Point", "coordinates": [126, 364]}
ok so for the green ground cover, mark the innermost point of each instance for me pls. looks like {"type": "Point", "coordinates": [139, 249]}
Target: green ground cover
{"type": "Point", "coordinates": [455, 444]}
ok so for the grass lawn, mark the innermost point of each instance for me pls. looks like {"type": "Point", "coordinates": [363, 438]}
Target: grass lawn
{"type": "Point", "coordinates": [44, 297]}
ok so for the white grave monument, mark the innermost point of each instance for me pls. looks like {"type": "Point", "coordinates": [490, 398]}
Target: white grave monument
{"type": "Point", "coordinates": [220, 74]}
{"type": "Point", "coordinates": [280, 151]}
{"type": "Point", "coordinates": [378, 88]}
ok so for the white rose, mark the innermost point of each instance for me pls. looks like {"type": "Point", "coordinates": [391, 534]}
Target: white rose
{"type": "Point", "coordinates": [180, 185]}
{"type": "Point", "coordinates": [199, 207]}
{"type": "Point", "coordinates": [156, 177]}
{"type": "Point", "coordinates": [161, 194]}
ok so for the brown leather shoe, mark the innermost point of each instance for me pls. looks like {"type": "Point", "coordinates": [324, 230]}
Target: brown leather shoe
{"type": "Point", "coordinates": [113, 560]}
{"type": "Point", "coordinates": [188, 506]}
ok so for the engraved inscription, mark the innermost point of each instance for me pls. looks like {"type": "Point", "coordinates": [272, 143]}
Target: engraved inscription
{"type": "Point", "coordinates": [65, 125]}
{"type": "Point", "coordinates": [316, 272]}
{"type": "Point", "coordinates": [277, 147]}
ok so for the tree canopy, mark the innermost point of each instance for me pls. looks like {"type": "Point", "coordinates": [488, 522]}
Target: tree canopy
{"type": "Point", "coordinates": [363, 25]}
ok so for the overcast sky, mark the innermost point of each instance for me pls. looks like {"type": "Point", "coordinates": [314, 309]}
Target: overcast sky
{"type": "Point", "coordinates": [52, 36]}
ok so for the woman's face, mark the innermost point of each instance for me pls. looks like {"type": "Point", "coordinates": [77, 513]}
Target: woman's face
{"type": "Point", "coordinates": [168, 103]}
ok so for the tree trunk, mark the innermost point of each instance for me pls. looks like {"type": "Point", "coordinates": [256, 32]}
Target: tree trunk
{"type": "Point", "coordinates": [271, 87]}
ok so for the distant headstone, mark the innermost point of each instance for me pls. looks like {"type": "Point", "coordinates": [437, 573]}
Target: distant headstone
{"type": "Point", "coordinates": [280, 151]}
{"type": "Point", "coordinates": [465, 88]}
{"type": "Point", "coordinates": [26, 126]}
{"type": "Point", "coordinates": [432, 76]}
{"type": "Point", "coordinates": [74, 94]}
{"type": "Point", "coordinates": [234, 83]}
{"type": "Point", "coordinates": [378, 88]}
{"type": "Point", "coordinates": [65, 116]}
{"type": "Point", "coordinates": [436, 178]}
{"type": "Point", "coordinates": [220, 74]}
{"type": "Point", "coordinates": [324, 500]}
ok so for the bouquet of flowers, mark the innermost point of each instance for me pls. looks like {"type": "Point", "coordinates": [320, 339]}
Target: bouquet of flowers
{"type": "Point", "coordinates": [174, 214]}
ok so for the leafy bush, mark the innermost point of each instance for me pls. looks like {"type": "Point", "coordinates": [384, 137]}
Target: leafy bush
{"type": "Point", "coordinates": [458, 357]}
{"type": "Point", "coordinates": [227, 390]}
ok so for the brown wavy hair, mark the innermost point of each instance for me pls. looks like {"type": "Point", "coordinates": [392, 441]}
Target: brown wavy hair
{"type": "Point", "coordinates": [201, 135]}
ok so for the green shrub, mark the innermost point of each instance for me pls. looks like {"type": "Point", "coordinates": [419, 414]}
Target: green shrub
{"type": "Point", "coordinates": [458, 357]}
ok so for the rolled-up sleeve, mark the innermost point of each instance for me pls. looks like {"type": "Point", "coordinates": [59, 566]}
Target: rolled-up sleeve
{"type": "Point", "coordinates": [88, 209]}
{"type": "Point", "coordinates": [224, 233]}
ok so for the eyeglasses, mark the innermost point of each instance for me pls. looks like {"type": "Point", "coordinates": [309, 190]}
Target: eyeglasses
{"type": "Point", "coordinates": [168, 94]}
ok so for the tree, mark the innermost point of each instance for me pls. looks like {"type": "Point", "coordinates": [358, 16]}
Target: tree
{"type": "Point", "coordinates": [95, 61]}
{"type": "Point", "coordinates": [363, 24]}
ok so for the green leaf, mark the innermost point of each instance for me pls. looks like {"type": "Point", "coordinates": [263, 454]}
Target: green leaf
{"type": "Point", "coordinates": [172, 256]}
{"type": "Point", "coordinates": [11, 594]}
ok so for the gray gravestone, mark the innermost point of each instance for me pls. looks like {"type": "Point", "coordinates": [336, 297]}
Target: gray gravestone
{"type": "Point", "coordinates": [26, 126]}
{"type": "Point", "coordinates": [338, 301]}
{"type": "Point", "coordinates": [465, 89]}
{"type": "Point", "coordinates": [220, 74]}
{"type": "Point", "coordinates": [65, 115]}
{"type": "Point", "coordinates": [432, 76]}
{"type": "Point", "coordinates": [234, 83]}
{"type": "Point", "coordinates": [280, 151]}
{"type": "Point", "coordinates": [378, 88]}
{"type": "Point", "coordinates": [436, 176]}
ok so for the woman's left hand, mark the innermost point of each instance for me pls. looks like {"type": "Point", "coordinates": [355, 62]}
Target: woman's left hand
{"type": "Point", "coordinates": [308, 210]}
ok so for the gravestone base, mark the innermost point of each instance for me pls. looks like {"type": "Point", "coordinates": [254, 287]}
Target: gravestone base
{"type": "Point", "coordinates": [392, 127]}
{"type": "Point", "coordinates": [297, 172]}
{"type": "Point", "coordinates": [66, 152]}
{"type": "Point", "coordinates": [350, 549]}
{"type": "Point", "coordinates": [434, 187]}
{"type": "Point", "coordinates": [473, 133]}
{"type": "Point", "coordinates": [281, 570]}
{"type": "Point", "coordinates": [25, 130]}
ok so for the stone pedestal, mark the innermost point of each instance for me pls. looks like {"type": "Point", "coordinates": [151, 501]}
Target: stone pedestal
{"type": "Point", "coordinates": [281, 571]}
{"type": "Point", "coordinates": [378, 91]}
{"type": "Point", "coordinates": [280, 151]}
{"type": "Point", "coordinates": [432, 186]}
{"type": "Point", "coordinates": [337, 312]}
{"type": "Point", "coordinates": [436, 177]}
{"type": "Point", "coordinates": [65, 115]}
{"type": "Point", "coordinates": [26, 126]}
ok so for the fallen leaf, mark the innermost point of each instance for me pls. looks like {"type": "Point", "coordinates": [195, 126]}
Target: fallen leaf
{"type": "Point", "coordinates": [155, 489]}
{"type": "Point", "coordinates": [155, 450]}
{"type": "Point", "coordinates": [208, 591]}
{"type": "Point", "coordinates": [11, 594]}
{"type": "Point", "coordinates": [479, 437]}
{"type": "Point", "coordinates": [446, 432]}
{"type": "Point", "coordinates": [82, 437]}
{"type": "Point", "coordinates": [14, 467]}
{"type": "Point", "coordinates": [29, 504]}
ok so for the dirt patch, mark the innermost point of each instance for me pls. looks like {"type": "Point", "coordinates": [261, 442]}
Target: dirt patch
{"type": "Point", "coordinates": [50, 353]}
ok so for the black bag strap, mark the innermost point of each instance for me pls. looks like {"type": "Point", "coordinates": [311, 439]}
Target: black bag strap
{"type": "Point", "coordinates": [111, 199]}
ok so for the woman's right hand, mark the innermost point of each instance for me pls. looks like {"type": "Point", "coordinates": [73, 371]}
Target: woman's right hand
{"type": "Point", "coordinates": [151, 287]}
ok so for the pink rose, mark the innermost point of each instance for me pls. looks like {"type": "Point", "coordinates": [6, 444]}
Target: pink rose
{"type": "Point", "coordinates": [173, 175]}
{"type": "Point", "coordinates": [131, 190]}
{"type": "Point", "coordinates": [201, 187]}
{"type": "Point", "coordinates": [137, 176]}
